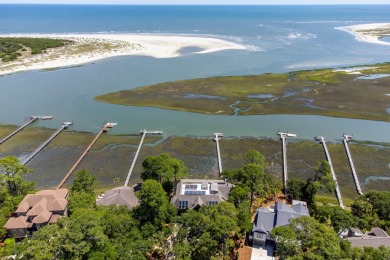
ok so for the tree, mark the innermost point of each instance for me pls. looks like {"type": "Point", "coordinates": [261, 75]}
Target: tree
{"type": "Point", "coordinates": [287, 243]}
{"type": "Point", "coordinates": [11, 177]}
{"type": "Point", "coordinates": [253, 156]}
{"type": "Point", "coordinates": [338, 218]}
{"type": "Point", "coordinates": [164, 169]}
{"type": "Point", "coordinates": [84, 182]}
{"type": "Point", "coordinates": [316, 239]}
{"type": "Point", "coordinates": [207, 233]}
{"type": "Point", "coordinates": [154, 205]}
{"type": "Point", "coordinates": [251, 176]}
{"type": "Point", "coordinates": [323, 181]}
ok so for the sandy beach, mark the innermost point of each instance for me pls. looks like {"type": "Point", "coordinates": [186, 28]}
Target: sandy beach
{"type": "Point", "coordinates": [371, 33]}
{"type": "Point", "coordinates": [86, 48]}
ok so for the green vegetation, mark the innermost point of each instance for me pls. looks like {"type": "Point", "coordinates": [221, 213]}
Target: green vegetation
{"type": "Point", "coordinates": [324, 92]}
{"type": "Point", "coordinates": [154, 230]}
{"type": "Point", "coordinates": [11, 48]}
{"type": "Point", "coordinates": [164, 169]}
{"type": "Point", "coordinates": [13, 187]}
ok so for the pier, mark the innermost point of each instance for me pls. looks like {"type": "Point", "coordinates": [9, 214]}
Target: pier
{"type": "Point", "coordinates": [64, 125]}
{"type": "Point", "coordinates": [283, 137]}
{"type": "Point", "coordinates": [30, 121]}
{"type": "Point", "coordinates": [143, 132]}
{"type": "Point", "coordinates": [103, 130]}
{"type": "Point", "coordinates": [346, 138]}
{"type": "Point", "coordinates": [216, 140]}
{"type": "Point", "coordinates": [322, 141]}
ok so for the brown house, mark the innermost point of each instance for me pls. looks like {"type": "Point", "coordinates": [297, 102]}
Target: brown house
{"type": "Point", "coordinates": [36, 210]}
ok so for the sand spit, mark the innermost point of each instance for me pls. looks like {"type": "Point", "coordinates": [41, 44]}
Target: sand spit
{"type": "Point", "coordinates": [371, 33]}
{"type": "Point", "coordinates": [91, 47]}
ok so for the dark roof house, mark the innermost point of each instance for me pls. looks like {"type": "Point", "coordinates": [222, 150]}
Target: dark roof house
{"type": "Point", "coordinates": [266, 219]}
{"type": "Point", "coordinates": [375, 238]}
{"type": "Point", "coordinates": [119, 196]}
{"type": "Point", "coordinates": [194, 193]}
{"type": "Point", "coordinates": [35, 210]}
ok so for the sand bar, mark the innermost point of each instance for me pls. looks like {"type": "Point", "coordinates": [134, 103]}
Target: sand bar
{"type": "Point", "coordinates": [371, 33]}
{"type": "Point", "coordinates": [86, 48]}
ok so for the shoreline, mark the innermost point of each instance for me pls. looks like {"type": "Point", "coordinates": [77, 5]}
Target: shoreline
{"type": "Point", "coordinates": [87, 48]}
{"type": "Point", "coordinates": [370, 33]}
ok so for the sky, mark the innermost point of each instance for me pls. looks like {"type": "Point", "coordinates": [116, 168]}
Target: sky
{"type": "Point", "coordinates": [200, 2]}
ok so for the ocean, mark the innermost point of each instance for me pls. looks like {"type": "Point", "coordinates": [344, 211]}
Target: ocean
{"type": "Point", "coordinates": [278, 38]}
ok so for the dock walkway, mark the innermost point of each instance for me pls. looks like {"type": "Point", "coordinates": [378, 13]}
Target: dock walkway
{"type": "Point", "coordinates": [64, 125]}
{"type": "Point", "coordinates": [351, 164]}
{"type": "Point", "coordinates": [338, 193]}
{"type": "Point", "coordinates": [32, 119]}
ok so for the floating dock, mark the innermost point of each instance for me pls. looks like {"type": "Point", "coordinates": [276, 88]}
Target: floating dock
{"type": "Point", "coordinates": [216, 140]}
{"type": "Point", "coordinates": [64, 125]}
{"type": "Point", "coordinates": [103, 130]}
{"type": "Point", "coordinates": [322, 141]}
{"type": "Point", "coordinates": [30, 121]}
{"type": "Point", "coordinates": [346, 138]}
{"type": "Point", "coordinates": [143, 132]}
{"type": "Point", "coordinates": [283, 137]}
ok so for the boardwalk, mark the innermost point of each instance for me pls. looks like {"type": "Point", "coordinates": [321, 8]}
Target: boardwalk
{"type": "Point", "coordinates": [103, 130]}
{"type": "Point", "coordinates": [32, 119]}
{"type": "Point", "coordinates": [346, 138]}
{"type": "Point", "coordinates": [64, 125]}
{"type": "Point", "coordinates": [216, 140]}
{"type": "Point", "coordinates": [321, 140]}
{"type": "Point", "coordinates": [143, 133]}
{"type": "Point", "coordinates": [283, 137]}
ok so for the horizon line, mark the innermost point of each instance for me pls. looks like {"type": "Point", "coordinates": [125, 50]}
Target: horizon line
{"type": "Point", "coordinates": [108, 4]}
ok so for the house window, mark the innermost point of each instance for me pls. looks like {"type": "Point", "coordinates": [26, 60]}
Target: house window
{"type": "Point", "coordinates": [259, 235]}
{"type": "Point", "coordinates": [183, 204]}
{"type": "Point", "coordinates": [212, 203]}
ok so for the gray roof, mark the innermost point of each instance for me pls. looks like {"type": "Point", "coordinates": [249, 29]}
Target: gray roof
{"type": "Point", "coordinates": [119, 196]}
{"type": "Point", "coordinates": [284, 213]}
{"type": "Point", "coordinates": [200, 200]}
{"type": "Point", "coordinates": [369, 241]}
{"type": "Point", "coordinates": [266, 220]}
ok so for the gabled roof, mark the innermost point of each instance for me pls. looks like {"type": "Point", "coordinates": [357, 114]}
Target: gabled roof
{"type": "Point", "coordinates": [264, 220]}
{"type": "Point", "coordinates": [16, 223]}
{"type": "Point", "coordinates": [37, 208]}
{"type": "Point", "coordinates": [43, 217]}
{"type": "Point", "coordinates": [57, 205]}
{"type": "Point", "coordinates": [119, 196]}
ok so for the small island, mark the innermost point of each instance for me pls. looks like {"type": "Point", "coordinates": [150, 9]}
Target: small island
{"type": "Point", "coordinates": [357, 92]}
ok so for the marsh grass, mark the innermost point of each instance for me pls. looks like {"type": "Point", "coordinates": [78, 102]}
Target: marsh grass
{"type": "Point", "coordinates": [324, 92]}
{"type": "Point", "coordinates": [112, 156]}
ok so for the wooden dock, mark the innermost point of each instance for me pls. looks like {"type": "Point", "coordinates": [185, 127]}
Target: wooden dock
{"type": "Point", "coordinates": [32, 119]}
{"type": "Point", "coordinates": [143, 132]}
{"type": "Point", "coordinates": [346, 138]}
{"type": "Point", "coordinates": [216, 140]}
{"type": "Point", "coordinates": [321, 140]}
{"type": "Point", "coordinates": [103, 130]}
{"type": "Point", "coordinates": [64, 125]}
